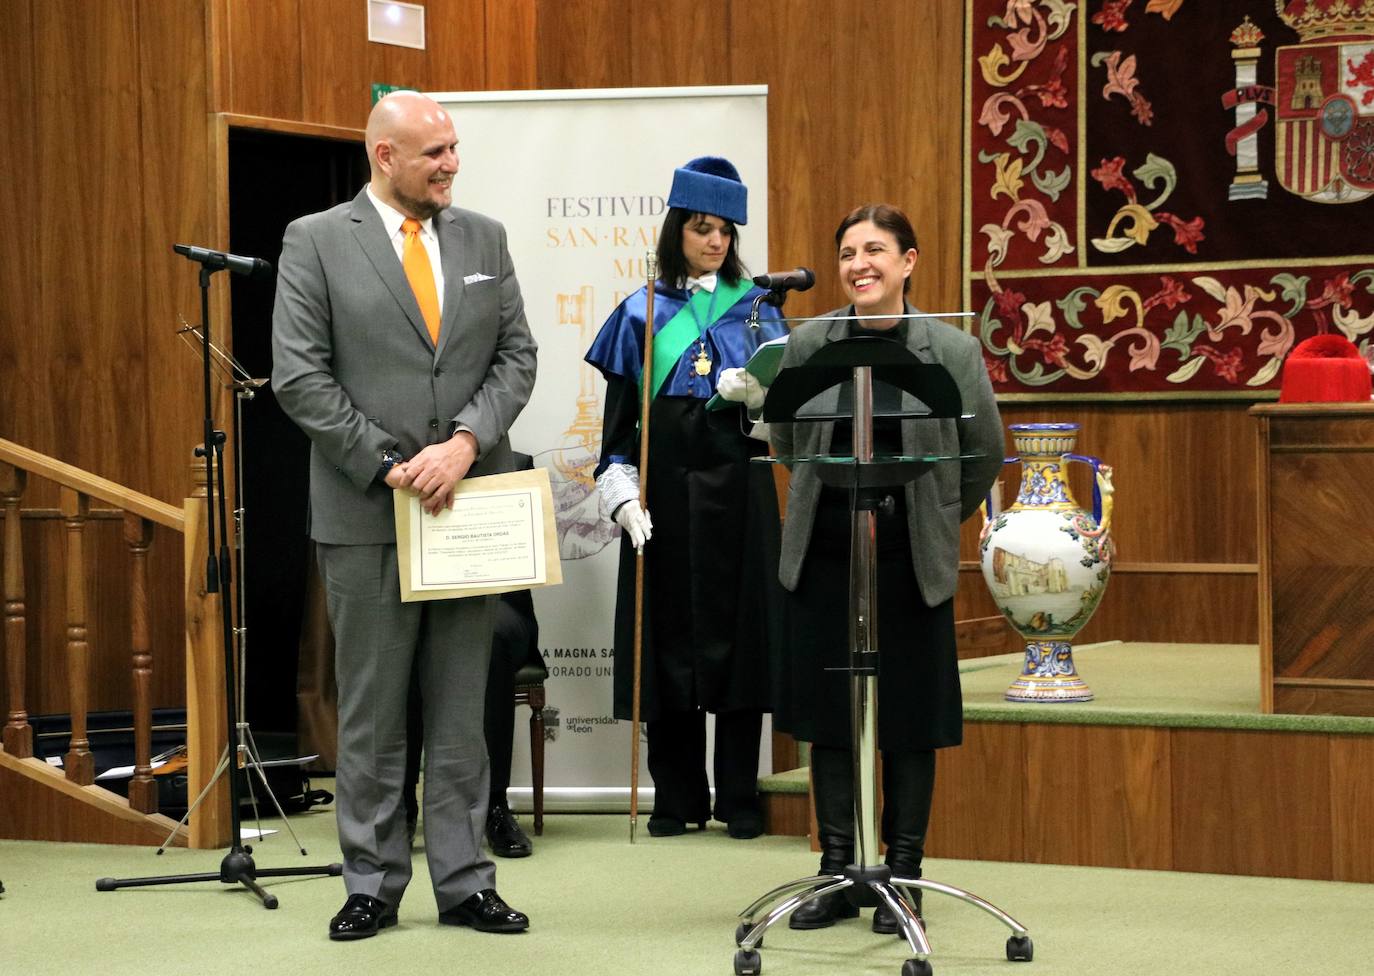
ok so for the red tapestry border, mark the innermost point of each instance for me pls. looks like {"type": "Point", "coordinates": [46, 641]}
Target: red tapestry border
{"type": "Point", "coordinates": [1161, 194]}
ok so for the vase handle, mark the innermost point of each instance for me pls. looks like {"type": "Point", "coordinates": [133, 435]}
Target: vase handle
{"type": "Point", "coordinates": [988, 509]}
{"type": "Point", "coordinates": [1102, 488]}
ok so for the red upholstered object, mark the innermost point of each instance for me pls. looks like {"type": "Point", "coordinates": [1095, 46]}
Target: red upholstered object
{"type": "Point", "coordinates": [1325, 369]}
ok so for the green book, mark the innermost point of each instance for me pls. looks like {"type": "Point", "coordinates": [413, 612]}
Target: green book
{"type": "Point", "coordinates": [763, 366]}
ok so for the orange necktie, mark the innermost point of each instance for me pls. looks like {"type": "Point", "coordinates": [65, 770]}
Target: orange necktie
{"type": "Point", "coordinates": [420, 274]}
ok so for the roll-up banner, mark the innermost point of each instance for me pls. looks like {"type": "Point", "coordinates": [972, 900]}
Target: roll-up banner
{"type": "Point", "coordinates": [580, 180]}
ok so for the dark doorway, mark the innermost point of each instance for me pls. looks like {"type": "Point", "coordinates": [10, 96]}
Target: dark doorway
{"type": "Point", "coordinates": [273, 179]}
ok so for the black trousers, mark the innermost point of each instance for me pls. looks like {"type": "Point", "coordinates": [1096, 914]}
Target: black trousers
{"type": "Point", "coordinates": [677, 763]}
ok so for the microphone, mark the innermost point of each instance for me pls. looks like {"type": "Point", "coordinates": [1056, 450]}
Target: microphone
{"type": "Point", "coordinates": [799, 279]}
{"type": "Point", "coordinates": [216, 260]}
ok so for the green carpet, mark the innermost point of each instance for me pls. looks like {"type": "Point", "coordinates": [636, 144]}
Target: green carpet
{"type": "Point", "coordinates": [662, 906]}
{"type": "Point", "coordinates": [1179, 685]}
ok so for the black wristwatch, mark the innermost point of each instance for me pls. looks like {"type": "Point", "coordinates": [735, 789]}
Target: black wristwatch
{"type": "Point", "coordinates": [390, 458]}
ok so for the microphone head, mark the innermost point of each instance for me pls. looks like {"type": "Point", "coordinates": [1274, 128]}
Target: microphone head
{"type": "Point", "coordinates": [798, 279]}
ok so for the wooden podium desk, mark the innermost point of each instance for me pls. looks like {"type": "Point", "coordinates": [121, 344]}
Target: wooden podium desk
{"type": "Point", "coordinates": [1316, 557]}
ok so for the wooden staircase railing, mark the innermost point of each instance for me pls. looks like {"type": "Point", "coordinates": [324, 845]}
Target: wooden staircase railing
{"type": "Point", "coordinates": [38, 804]}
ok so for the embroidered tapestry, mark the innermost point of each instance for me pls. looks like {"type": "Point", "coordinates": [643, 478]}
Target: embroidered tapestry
{"type": "Point", "coordinates": [1163, 197]}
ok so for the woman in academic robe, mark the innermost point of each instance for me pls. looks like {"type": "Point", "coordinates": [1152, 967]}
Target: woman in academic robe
{"type": "Point", "coordinates": [709, 528]}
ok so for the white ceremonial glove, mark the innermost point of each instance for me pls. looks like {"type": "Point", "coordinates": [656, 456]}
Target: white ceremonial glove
{"type": "Point", "coordinates": [636, 522]}
{"type": "Point", "coordinates": [619, 487]}
{"type": "Point", "coordinates": [741, 386]}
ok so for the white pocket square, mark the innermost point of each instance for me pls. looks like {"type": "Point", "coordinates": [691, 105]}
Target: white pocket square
{"type": "Point", "coordinates": [472, 279]}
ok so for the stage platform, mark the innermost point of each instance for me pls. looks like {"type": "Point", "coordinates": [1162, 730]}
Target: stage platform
{"type": "Point", "coordinates": [1171, 767]}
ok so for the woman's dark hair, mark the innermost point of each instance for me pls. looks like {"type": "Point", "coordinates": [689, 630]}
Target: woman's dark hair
{"type": "Point", "coordinates": [672, 263]}
{"type": "Point", "coordinates": [886, 217]}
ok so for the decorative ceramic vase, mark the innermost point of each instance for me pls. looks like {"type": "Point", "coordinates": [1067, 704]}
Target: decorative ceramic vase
{"type": "Point", "coordinates": [1046, 561]}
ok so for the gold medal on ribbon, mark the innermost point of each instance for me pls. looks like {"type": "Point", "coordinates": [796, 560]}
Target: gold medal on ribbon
{"type": "Point", "coordinates": [703, 362]}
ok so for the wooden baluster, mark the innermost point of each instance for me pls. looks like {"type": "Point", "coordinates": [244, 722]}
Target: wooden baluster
{"type": "Point", "coordinates": [18, 739]}
{"type": "Point", "coordinates": [142, 788]}
{"type": "Point", "coordinates": [79, 763]}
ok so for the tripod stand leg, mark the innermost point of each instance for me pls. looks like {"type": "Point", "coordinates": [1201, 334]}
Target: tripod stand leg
{"type": "Point", "coordinates": [110, 884]}
{"type": "Point", "coordinates": [255, 760]}
{"type": "Point", "coordinates": [268, 899]}
{"type": "Point", "coordinates": [220, 767]}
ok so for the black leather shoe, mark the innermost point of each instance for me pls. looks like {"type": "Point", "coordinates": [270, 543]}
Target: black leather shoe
{"type": "Point", "coordinates": [885, 922]}
{"type": "Point", "coordinates": [746, 825]}
{"type": "Point", "coordinates": [362, 917]}
{"type": "Point", "coordinates": [504, 833]}
{"type": "Point", "coordinates": [823, 912]}
{"type": "Point", "coordinates": [660, 826]}
{"type": "Point", "coordinates": [486, 912]}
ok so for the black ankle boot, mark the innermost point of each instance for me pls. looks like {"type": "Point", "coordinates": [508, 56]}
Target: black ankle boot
{"type": "Point", "coordinates": [885, 922]}
{"type": "Point", "coordinates": [823, 912]}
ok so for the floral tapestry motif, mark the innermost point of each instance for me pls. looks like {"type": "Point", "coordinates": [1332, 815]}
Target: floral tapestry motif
{"type": "Point", "coordinates": [1164, 196]}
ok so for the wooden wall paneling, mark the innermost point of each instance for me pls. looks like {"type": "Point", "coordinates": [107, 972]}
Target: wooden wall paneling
{"type": "Point", "coordinates": [1264, 529]}
{"type": "Point", "coordinates": [1206, 608]}
{"type": "Point", "coordinates": [456, 44]}
{"type": "Point", "coordinates": [582, 44]}
{"type": "Point", "coordinates": [1183, 473]}
{"type": "Point", "coordinates": [846, 127]}
{"type": "Point", "coordinates": [511, 45]}
{"type": "Point", "coordinates": [335, 68]}
{"type": "Point", "coordinates": [1171, 607]}
{"type": "Point", "coordinates": [926, 69]}
{"type": "Point", "coordinates": [1098, 795]}
{"type": "Point", "coordinates": [679, 42]}
{"type": "Point", "coordinates": [22, 417]}
{"type": "Point", "coordinates": [85, 335]}
{"type": "Point", "coordinates": [980, 791]}
{"type": "Point", "coordinates": [1322, 564]}
{"type": "Point", "coordinates": [1352, 808]}
{"type": "Point", "coordinates": [405, 67]}
{"type": "Point", "coordinates": [180, 196]}
{"type": "Point", "coordinates": [1267, 814]}
{"type": "Point", "coordinates": [264, 58]}
{"type": "Point", "coordinates": [178, 192]}
{"type": "Point", "coordinates": [807, 182]}
{"type": "Point", "coordinates": [217, 54]}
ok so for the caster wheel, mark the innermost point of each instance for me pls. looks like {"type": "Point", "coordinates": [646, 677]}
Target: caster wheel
{"type": "Point", "coordinates": [916, 967]}
{"type": "Point", "coordinates": [1020, 948]}
{"type": "Point", "coordinates": [747, 962]}
{"type": "Point", "coordinates": [742, 931]}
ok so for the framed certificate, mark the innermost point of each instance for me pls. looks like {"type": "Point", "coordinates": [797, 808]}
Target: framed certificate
{"type": "Point", "coordinates": [499, 535]}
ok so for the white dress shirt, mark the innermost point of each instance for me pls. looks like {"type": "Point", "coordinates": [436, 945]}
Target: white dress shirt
{"type": "Point", "coordinates": [392, 220]}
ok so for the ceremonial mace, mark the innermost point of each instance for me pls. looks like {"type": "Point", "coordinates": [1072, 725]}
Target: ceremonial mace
{"type": "Point", "coordinates": [646, 398]}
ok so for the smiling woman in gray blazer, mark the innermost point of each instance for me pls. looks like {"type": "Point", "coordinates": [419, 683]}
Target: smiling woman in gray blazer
{"type": "Point", "coordinates": [918, 558]}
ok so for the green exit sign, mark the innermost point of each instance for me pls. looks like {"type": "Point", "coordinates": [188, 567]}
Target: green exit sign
{"type": "Point", "coordinates": [379, 91]}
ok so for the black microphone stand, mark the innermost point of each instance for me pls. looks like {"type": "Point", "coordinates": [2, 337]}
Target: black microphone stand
{"type": "Point", "coordinates": [237, 867]}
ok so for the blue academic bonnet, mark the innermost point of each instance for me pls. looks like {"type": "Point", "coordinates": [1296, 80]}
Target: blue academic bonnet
{"type": "Point", "coordinates": [710, 185]}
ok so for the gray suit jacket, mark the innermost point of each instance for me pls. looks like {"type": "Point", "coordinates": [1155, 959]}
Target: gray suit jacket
{"type": "Point", "coordinates": [944, 494]}
{"type": "Point", "coordinates": [354, 367]}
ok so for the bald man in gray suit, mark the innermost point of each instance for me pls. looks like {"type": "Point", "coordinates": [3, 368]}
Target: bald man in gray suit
{"type": "Point", "coordinates": [387, 405]}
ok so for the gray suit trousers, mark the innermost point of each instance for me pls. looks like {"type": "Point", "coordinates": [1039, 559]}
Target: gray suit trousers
{"type": "Point", "coordinates": [377, 639]}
